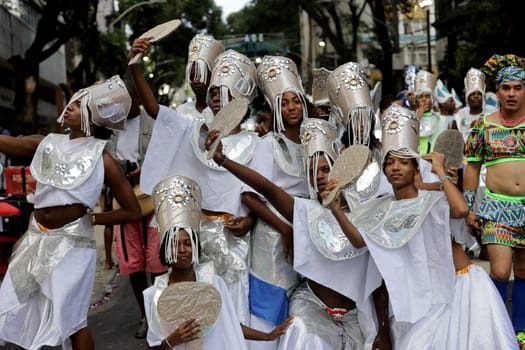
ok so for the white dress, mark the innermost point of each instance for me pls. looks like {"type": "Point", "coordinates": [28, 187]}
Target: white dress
{"type": "Point", "coordinates": [279, 160]}
{"type": "Point", "coordinates": [45, 294]}
{"type": "Point", "coordinates": [176, 148]}
{"type": "Point", "coordinates": [322, 253]}
{"type": "Point", "coordinates": [409, 241]}
{"type": "Point", "coordinates": [226, 334]}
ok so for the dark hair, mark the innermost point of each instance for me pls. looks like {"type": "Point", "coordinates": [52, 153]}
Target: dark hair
{"type": "Point", "coordinates": [416, 164]}
{"type": "Point", "coordinates": [102, 133]}
{"type": "Point", "coordinates": [162, 252]}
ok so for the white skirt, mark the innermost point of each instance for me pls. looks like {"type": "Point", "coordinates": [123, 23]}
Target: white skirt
{"type": "Point", "coordinates": [60, 305]}
{"type": "Point", "coordinates": [479, 319]}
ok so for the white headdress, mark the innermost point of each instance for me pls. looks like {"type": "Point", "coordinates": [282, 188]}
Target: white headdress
{"type": "Point", "coordinates": [177, 202]}
{"type": "Point", "coordinates": [108, 102]}
{"type": "Point", "coordinates": [275, 76]}
{"type": "Point", "coordinates": [474, 81]}
{"type": "Point", "coordinates": [351, 102]}
{"type": "Point", "coordinates": [400, 134]}
{"type": "Point", "coordinates": [233, 73]}
{"type": "Point", "coordinates": [425, 83]}
{"type": "Point", "coordinates": [202, 51]}
{"type": "Point", "coordinates": [318, 136]}
{"type": "Point", "coordinates": [320, 86]}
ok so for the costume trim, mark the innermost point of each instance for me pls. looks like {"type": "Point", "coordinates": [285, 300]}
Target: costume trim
{"type": "Point", "coordinates": [54, 167]}
{"type": "Point", "coordinates": [395, 221]}
{"type": "Point", "coordinates": [40, 252]}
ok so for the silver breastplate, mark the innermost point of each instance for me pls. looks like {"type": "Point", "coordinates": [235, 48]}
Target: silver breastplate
{"type": "Point", "coordinates": [392, 223]}
{"type": "Point", "coordinates": [288, 155]}
{"type": "Point", "coordinates": [326, 234]}
{"type": "Point", "coordinates": [428, 126]}
{"type": "Point", "coordinates": [238, 147]}
{"type": "Point", "coordinates": [368, 183]}
{"type": "Point", "coordinates": [58, 168]}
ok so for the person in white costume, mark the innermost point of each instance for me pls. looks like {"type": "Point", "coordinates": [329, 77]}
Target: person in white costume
{"type": "Point", "coordinates": [279, 157]}
{"type": "Point", "coordinates": [202, 51]}
{"type": "Point", "coordinates": [176, 148]}
{"type": "Point", "coordinates": [448, 102]}
{"type": "Point", "coordinates": [478, 316]}
{"type": "Point", "coordinates": [177, 210]}
{"type": "Point", "coordinates": [325, 307]}
{"type": "Point", "coordinates": [428, 119]}
{"type": "Point", "coordinates": [475, 102]}
{"type": "Point", "coordinates": [352, 104]}
{"type": "Point", "coordinates": [44, 298]}
{"type": "Point", "coordinates": [408, 237]}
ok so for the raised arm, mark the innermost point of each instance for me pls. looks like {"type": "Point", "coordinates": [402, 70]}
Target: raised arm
{"type": "Point", "coordinates": [142, 45]}
{"type": "Point", "coordinates": [257, 207]}
{"type": "Point", "coordinates": [351, 232]}
{"type": "Point", "coordinates": [458, 205]}
{"type": "Point", "coordinates": [281, 200]}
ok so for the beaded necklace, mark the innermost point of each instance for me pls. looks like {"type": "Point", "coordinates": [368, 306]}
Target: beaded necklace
{"type": "Point", "coordinates": [510, 123]}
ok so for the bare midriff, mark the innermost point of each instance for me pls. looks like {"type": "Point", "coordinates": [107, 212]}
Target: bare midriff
{"type": "Point", "coordinates": [331, 298]}
{"type": "Point", "coordinates": [507, 178]}
{"type": "Point", "coordinates": [55, 217]}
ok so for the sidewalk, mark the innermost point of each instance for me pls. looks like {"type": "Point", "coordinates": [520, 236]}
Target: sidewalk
{"type": "Point", "coordinates": [103, 278]}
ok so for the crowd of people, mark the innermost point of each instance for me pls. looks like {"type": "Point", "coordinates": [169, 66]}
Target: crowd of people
{"type": "Point", "coordinates": [251, 240]}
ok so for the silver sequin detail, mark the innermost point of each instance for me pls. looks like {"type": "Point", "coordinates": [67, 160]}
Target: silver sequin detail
{"type": "Point", "coordinates": [54, 167]}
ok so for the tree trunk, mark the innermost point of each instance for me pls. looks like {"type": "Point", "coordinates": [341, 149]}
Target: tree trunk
{"type": "Point", "coordinates": [27, 74]}
{"type": "Point", "coordinates": [383, 37]}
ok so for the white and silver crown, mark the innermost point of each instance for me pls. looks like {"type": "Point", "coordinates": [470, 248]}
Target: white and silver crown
{"type": "Point", "coordinates": [275, 76]}
{"type": "Point", "coordinates": [351, 101]}
{"type": "Point", "coordinates": [474, 81]}
{"type": "Point", "coordinates": [233, 73]}
{"type": "Point", "coordinates": [425, 83]}
{"type": "Point", "coordinates": [108, 102]}
{"type": "Point", "coordinates": [400, 133]}
{"type": "Point", "coordinates": [320, 86]}
{"type": "Point", "coordinates": [319, 135]}
{"type": "Point", "coordinates": [318, 138]}
{"type": "Point", "coordinates": [177, 202]}
{"type": "Point", "coordinates": [202, 51]}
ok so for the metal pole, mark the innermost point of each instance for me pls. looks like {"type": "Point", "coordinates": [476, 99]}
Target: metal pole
{"type": "Point", "coordinates": [429, 48]}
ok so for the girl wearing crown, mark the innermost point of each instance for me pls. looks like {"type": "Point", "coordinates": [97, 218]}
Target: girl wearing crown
{"type": "Point", "coordinates": [45, 295]}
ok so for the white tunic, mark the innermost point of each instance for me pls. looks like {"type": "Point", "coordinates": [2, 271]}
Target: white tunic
{"type": "Point", "coordinates": [225, 334]}
{"type": "Point", "coordinates": [416, 263]}
{"type": "Point", "coordinates": [171, 152]}
{"type": "Point", "coordinates": [45, 295]}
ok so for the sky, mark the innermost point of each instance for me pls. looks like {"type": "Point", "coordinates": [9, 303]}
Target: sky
{"type": "Point", "coordinates": [229, 6]}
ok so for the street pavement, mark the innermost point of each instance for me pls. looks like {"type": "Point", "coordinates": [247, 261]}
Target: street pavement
{"type": "Point", "coordinates": [114, 315]}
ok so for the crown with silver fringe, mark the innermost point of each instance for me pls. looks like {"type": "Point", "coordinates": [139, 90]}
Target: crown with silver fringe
{"type": "Point", "coordinates": [109, 103]}
{"type": "Point", "coordinates": [202, 51]}
{"type": "Point", "coordinates": [320, 86]}
{"type": "Point", "coordinates": [474, 81]}
{"type": "Point", "coordinates": [351, 102]}
{"type": "Point", "coordinates": [177, 203]}
{"type": "Point", "coordinates": [318, 138]}
{"type": "Point", "coordinates": [233, 73]}
{"type": "Point", "coordinates": [425, 83]}
{"type": "Point", "coordinates": [400, 133]}
{"type": "Point", "coordinates": [275, 76]}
